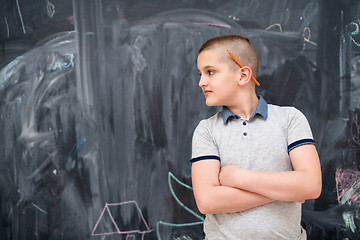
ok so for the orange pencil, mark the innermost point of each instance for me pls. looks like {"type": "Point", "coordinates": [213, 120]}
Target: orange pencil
{"type": "Point", "coordinates": [238, 62]}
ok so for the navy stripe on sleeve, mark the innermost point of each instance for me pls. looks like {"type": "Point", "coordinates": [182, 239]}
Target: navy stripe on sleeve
{"type": "Point", "coordinates": [300, 142]}
{"type": "Point", "coordinates": [205, 158]}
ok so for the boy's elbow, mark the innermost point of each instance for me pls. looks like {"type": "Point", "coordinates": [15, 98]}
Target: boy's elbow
{"type": "Point", "coordinates": [315, 190]}
{"type": "Point", "coordinates": [203, 209]}
{"type": "Point", "coordinates": [205, 205]}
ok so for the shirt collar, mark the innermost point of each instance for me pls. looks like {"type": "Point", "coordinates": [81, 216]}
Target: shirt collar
{"type": "Point", "coordinates": [261, 109]}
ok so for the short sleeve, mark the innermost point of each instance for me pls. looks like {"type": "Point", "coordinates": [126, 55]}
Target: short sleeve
{"type": "Point", "coordinates": [299, 131]}
{"type": "Point", "coordinates": [203, 145]}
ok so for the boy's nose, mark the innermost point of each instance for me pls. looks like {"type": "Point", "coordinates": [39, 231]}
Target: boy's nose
{"type": "Point", "coordinates": [202, 82]}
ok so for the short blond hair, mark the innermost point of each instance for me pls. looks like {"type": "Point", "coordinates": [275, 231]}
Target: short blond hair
{"type": "Point", "coordinates": [240, 46]}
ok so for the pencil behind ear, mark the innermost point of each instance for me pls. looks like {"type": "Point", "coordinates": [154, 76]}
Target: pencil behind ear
{"type": "Point", "coordinates": [239, 63]}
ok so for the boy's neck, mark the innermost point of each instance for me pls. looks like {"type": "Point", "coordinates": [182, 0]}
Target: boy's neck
{"type": "Point", "coordinates": [245, 106]}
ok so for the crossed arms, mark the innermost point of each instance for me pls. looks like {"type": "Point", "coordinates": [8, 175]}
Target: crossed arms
{"type": "Point", "coordinates": [232, 189]}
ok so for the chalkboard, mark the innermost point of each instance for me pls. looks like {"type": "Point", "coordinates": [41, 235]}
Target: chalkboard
{"type": "Point", "coordinates": [99, 100]}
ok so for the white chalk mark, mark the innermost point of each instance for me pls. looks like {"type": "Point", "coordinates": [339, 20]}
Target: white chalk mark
{"type": "Point", "coordinates": [38, 208]}
{"type": "Point", "coordinates": [21, 197]}
{"type": "Point", "coordinates": [7, 28]}
{"type": "Point", "coordinates": [234, 18]}
{"type": "Point", "coordinates": [355, 33]}
{"type": "Point", "coordinates": [21, 19]}
{"type": "Point", "coordinates": [50, 9]}
{"type": "Point", "coordinates": [356, 29]}
{"type": "Point", "coordinates": [213, 24]}
{"type": "Point", "coordinates": [349, 220]}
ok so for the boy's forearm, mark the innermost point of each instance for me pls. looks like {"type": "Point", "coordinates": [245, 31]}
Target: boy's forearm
{"type": "Point", "coordinates": [281, 186]}
{"type": "Point", "coordinates": [222, 199]}
{"type": "Point", "coordinates": [212, 198]}
{"type": "Point", "coordinates": [304, 182]}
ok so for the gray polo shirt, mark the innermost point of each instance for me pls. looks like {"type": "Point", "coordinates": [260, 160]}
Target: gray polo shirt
{"type": "Point", "coordinates": [261, 143]}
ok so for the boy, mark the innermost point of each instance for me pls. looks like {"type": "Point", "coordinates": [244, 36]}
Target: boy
{"type": "Point", "coordinates": [253, 163]}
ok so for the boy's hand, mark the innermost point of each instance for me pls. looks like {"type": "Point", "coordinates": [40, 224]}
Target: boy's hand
{"type": "Point", "coordinates": [230, 175]}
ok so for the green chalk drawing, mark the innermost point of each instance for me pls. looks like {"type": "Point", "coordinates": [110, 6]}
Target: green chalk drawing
{"type": "Point", "coordinates": [346, 199]}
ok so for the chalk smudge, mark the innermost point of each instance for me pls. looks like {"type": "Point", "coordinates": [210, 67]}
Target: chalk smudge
{"type": "Point", "coordinates": [348, 191]}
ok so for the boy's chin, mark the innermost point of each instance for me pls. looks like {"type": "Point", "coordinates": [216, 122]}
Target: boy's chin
{"type": "Point", "coordinates": [211, 104]}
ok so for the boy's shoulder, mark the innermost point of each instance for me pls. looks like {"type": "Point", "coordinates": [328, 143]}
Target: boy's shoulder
{"type": "Point", "coordinates": [280, 108]}
{"type": "Point", "coordinates": [211, 121]}
{"type": "Point", "coordinates": [288, 116]}
{"type": "Point", "coordinates": [283, 111]}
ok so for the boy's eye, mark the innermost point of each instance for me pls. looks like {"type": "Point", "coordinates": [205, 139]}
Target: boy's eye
{"type": "Point", "coordinates": [209, 72]}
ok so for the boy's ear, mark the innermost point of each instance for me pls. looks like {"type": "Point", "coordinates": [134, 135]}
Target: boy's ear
{"type": "Point", "coordinates": [245, 75]}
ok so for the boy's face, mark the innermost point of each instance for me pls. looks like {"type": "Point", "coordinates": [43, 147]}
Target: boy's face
{"type": "Point", "coordinates": [218, 81]}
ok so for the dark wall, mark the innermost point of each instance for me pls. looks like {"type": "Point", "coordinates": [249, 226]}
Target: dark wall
{"type": "Point", "coordinates": [99, 100]}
